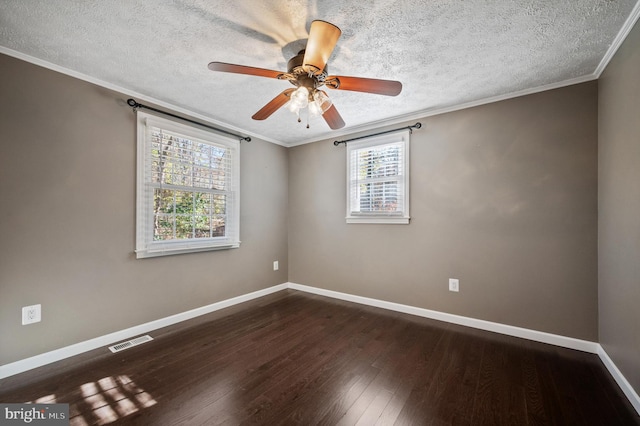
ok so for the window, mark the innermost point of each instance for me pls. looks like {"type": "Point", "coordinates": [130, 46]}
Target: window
{"type": "Point", "coordinates": [378, 179]}
{"type": "Point", "coordinates": [188, 189]}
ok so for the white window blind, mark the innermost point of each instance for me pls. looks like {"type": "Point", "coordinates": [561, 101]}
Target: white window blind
{"type": "Point", "coordinates": [188, 184]}
{"type": "Point", "coordinates": [378, 184]}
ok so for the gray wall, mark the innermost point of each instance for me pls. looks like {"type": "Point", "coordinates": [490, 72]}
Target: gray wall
{"type": "Point", "coordinates": [619, 208]}
{"type": "Point", "coordinates": [503, 197]}
{"type": "Point", "coordinates": [67, 219]}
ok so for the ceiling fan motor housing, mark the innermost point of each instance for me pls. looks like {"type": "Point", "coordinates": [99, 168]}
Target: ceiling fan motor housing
{"type": "Point", "coordinates": [308, 78]}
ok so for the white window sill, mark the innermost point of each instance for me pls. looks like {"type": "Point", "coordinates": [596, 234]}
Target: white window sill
{"type": "Point", "coordinates": [390, 220]}
{"type": "Point", "coordinates": [142, 254]}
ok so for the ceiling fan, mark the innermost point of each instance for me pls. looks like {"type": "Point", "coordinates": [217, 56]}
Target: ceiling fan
{"type": "Point", "coordinates": [308, 72]}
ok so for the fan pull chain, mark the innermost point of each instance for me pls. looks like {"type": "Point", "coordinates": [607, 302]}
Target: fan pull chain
{"type": "Point", "coordinates": [307, 118]}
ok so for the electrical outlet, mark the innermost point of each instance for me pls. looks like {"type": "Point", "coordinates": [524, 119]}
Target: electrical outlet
{"type": "Point", "coordinates": [275, 265]}
{"type": "Point", "coordinates": [454, 284]}
{"type": "Point", "coordinates": [31, 314]}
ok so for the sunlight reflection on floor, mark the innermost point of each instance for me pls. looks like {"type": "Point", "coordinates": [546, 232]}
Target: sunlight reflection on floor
{"type": "Point", "coordinates": [104, 401]}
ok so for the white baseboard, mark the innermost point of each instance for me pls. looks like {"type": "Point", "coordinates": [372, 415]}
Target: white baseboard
{"type": "Point", "coordinates": [108, 339]}
{"type": "Point", "coordinates": [626, 387]}
{"type": "Point", "coordinates": [525, 333]}
{"type": "Point", "coordinates": [538, 336]}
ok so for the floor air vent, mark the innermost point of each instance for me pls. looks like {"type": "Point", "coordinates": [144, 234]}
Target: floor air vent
{"type": "Point", "coordinates": [130, 343]}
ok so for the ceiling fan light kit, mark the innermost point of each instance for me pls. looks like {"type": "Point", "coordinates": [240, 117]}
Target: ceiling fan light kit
{"type": "Point", "coordinates": [308, 72]}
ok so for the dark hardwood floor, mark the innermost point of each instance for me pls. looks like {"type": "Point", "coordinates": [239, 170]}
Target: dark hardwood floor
{"type": "Point", "coordinates": [295, 358]}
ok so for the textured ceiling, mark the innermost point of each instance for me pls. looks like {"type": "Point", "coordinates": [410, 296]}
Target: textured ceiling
{"type": "Point", "coordinates": [446, 53]}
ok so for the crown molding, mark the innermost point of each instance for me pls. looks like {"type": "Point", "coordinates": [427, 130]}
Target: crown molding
{"type": "Point", "coordinates": [129, 93]}
{"type": "Point", "coordinates": [620, 38]}
{"type": "Point", "coordinates": [429, 112]}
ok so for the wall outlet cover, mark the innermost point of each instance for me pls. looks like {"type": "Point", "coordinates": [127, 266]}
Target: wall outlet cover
{"type": "Point", "coordinates": [31, 314]}
{"type": "Point", "coordinates": [275, 265]}
{"type": "Point", "coordinates": [454, 284]}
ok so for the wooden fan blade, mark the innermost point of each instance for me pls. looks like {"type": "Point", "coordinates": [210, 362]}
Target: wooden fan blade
{"type": "Point", "coordinates": [323, 37]}
{"type": "Point", "coordinates": [241, 69]}
{"type": "Point", "coordinates": [368, 85]}
{"type": "Point", "coordinates": [273, 105]}
{"type": "Point", "coordinates": [333, 118]}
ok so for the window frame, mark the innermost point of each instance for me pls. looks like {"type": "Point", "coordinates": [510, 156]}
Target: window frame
{"type": "Point", "coordinates": [400, 218]}
{"type": "Point", "coordinates": [145, 245]}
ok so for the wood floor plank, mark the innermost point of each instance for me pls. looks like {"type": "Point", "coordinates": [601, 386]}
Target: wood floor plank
{"type": "Point", "coordinates": [500, 395]}
{"type": "Point", "coordinates": [320, 364]}
{"type": "Point", "coordinates": [407, 407]}
{"type": "Point", "coordinates": [451, 394]}
{"type": "Point", "coordinates": [355, 359]}
{"type": "Point", "coordinates": [580, 377]}
{"type": "Point", "coordinates": [295, 358]}
{"type": "Point", "coordinates": [407, 378]}
{"type": "Point", "coordinates": [622, 406]}
{"type": "Point", "coordinates": [534, 399]}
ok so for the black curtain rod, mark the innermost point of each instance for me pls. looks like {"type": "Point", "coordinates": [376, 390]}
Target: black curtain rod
{"type": "Point", "coordinates": [415, 126]}
{"type": "Point", "coordinates": [135, 105]}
